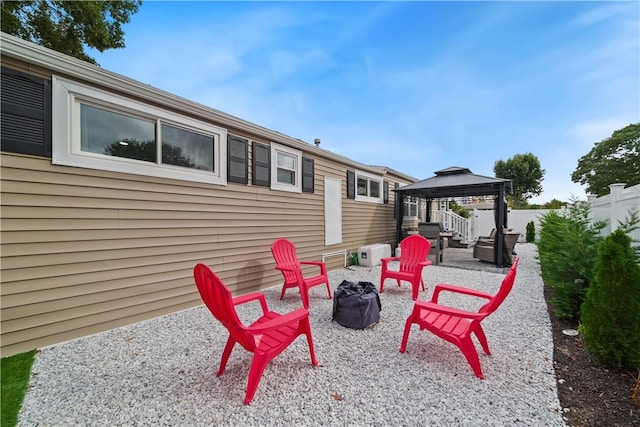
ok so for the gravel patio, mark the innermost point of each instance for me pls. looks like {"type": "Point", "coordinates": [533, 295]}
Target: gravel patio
{"type": "Point", "coordinates": [162, 371]}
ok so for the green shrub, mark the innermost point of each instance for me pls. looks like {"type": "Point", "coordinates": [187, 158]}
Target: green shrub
{"type": "Point", "coordinates": [456, 208]}
{"type": "Point", "coordinates": [531, 232]}
{"type": "Point", "coordinates": [567, 247]}
{"type": "Point", "coordinates": [611, 309]}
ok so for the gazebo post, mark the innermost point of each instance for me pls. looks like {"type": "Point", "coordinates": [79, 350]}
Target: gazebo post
{"type": "Point", "coordinates": [399, 216]}
{"type": "Point", "coordinates": [498, 248]}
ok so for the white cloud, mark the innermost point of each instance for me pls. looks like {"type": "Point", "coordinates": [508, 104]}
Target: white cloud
{"type": "Point", "coordinates": [603, 13]}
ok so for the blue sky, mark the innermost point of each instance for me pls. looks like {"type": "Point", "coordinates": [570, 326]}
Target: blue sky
{"type": "Point", "coordinates": [417, 86]}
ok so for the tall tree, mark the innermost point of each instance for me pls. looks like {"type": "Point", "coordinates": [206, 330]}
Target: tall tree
{"type": "Point", "coordinates": [614, 159]}
{"type": "Point", "coordinates": [525, 174]}
{"type": "Point", "coordinates": [69, 26]}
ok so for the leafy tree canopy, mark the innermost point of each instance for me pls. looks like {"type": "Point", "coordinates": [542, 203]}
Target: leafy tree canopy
{"type": "Point", "coordinates": [455, 207]}
{"type": "Point", "coordinates": [69, 26]}
{"type": "Point", "coordinates": [554, 204]}
{"type": "Point", "coordinates": [525, 174]}
{"type": "Point", "coordinates": [612, 160]}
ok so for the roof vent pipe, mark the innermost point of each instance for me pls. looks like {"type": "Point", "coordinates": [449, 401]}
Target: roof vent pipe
{"type": "Point", "coordinates": [317, 142]}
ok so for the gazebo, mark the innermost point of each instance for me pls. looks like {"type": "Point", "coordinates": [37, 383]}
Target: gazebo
{"type": "Point", "coordinates": [459, 182]}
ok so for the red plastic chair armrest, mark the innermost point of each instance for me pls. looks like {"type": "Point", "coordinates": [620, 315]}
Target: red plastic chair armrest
{"type": "Point", "coordinates": [320, 264]}
{"type": "Point", "coordinates": [389, 259]}
{"type": "Point", "coordinates": [295, 269]}
{"type": "Point", "coordinates": [457, 289]}
{"type": "Point", "coordinates": [287, 267]}
{"type": "Point", "coordinates": [430, 306]}
{"type": "Point", "coordinates": [426, 263]}
{"type": "Point", "coordinates": [251, 296]}
{"type": "Point", "coordinates": [279, 321]}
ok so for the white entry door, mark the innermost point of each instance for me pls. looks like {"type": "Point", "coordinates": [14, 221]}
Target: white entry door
{"type": "Point", "coordinates": [332, 211]}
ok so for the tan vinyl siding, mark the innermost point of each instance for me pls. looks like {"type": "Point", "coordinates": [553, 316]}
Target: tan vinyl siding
{"type": "Point", "coordinates": [84, 251]}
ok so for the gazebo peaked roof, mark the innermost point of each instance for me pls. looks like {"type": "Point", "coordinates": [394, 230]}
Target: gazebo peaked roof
{"type": "Point", "coordinates": [456, 182]}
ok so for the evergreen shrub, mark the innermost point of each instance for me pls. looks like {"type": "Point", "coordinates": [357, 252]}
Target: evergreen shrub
{"type": "Point", "coordinates": [531, 232]}
{"type": "Point", "coordinates": [567, 248]}
{"type": "Point", "coordinates": [611, 310]}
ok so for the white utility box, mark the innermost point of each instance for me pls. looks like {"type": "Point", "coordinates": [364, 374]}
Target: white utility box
{"type": "Point", "coordinates": [370, 255]}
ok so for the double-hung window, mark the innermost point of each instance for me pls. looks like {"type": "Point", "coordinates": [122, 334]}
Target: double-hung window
{"type": "Point", "coordinates": [101, 130]}
{"type": "Point", "coordinates": [286, 168]}
{"type": "Point", "coordinates": [368, 187]}
{"type": "Point", "coordinates": [411, 207]}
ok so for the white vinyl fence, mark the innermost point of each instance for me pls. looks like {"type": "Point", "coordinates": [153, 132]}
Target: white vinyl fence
{"type": "Point", "coordinates": [482, 221]}
{"type": "Point", "coordinates": [612, 208]}
{"type": "Point", "coordinates": [615, 207]}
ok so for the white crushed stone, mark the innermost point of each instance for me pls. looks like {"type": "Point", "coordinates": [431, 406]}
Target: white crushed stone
{"type": "Point", "coordinates": [162, 371]}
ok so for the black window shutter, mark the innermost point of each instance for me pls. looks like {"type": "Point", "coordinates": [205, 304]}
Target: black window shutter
{"type": "Point", "coordinates": [308, 172]}
{"type": "Point", "coordinates": [25, 125]}
{"type": "Point", "coordinates": [385, 192]}
{"type": "Point", "coordinates": [395, 201]}
{"type": "Point", "coordinates": [237, 159]}
{"type": "Point", "coordinates": [261, 164]}
{"type": "Point", "coordinates": [351, 185]}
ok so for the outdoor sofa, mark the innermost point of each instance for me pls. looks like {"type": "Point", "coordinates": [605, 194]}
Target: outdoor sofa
{"type": "Point", "coordinates": [483, 248]}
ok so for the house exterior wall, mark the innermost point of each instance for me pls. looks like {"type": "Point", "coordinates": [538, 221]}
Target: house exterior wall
{"type": "Point", "coordinates": [83, 250]}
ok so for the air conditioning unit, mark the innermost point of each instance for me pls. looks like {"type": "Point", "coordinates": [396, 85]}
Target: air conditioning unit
{"type": "Point", "coordinates": [370, 256]}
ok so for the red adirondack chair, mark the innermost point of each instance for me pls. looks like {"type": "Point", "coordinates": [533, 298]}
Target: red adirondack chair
{"type": "Point", "coordinates": [455, 325]}
{"type": "Point", "coordinates": [413, 258]}
{"type": "Point", "coordinates": [284, 253]}
{"type": "Point", "coordinates": [265, 338]}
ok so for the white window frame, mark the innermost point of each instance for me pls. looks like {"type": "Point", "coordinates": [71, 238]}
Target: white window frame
{"type": "Point", "coordinates": [369, 177]}
{"type": "Point", "coordinates": [67, 97]}
{"type": "Point", "coordinates": [296, 187]}
{"type": "Point", "coordinates": [406, 208]}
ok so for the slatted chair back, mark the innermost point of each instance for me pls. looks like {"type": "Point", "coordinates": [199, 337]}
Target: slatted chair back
{"type": "Point", "coordinates": [505, 289]}
{"type": "Point", "coordinates": [413, 251]}
{"type": "Point", "coordinates": [218, 300]}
